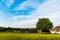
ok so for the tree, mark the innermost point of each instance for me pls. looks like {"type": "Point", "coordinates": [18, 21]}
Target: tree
{"type": "Point", "coordinates": [44, 24]}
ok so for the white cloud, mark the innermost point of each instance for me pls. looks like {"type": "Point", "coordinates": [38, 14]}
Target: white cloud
{"type": "Point", "coordinates": [9, 2]}
{"type": "Point", "coordinates": [20, 17]}
{"type": "Point", "coordinates": [28, 3]}
{"type": "Point", "coordinates": [25, 24]}
{"type": "Point", "coordinates": [3, 21]}
{"type": "Point", "coordinates": [5, 25]}
{"type": "Point", "coordinates": [49, 9]}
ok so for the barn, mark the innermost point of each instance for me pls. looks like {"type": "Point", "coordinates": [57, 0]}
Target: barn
{"type": "Point", "coordinates": [55, 30]}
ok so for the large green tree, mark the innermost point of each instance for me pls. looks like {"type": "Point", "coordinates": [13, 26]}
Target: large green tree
{"type": "Point", "coordinates": [44, 24]}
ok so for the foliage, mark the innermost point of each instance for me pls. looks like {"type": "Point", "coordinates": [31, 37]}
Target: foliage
{"type": "Point", "coordinates": [18, 30]}
{"type": "Point", "coordinates": [44, 24]}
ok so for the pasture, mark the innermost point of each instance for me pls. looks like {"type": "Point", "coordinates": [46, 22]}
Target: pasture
{"type": "Point", "coordinates": [17, 36]}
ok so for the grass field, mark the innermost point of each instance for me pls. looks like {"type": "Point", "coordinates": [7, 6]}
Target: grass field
{"type": "Point", "coordinates": [17, 36]}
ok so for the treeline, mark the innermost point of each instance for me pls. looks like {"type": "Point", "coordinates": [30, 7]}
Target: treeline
{"type": "Point", "coordinates": [20, 30]}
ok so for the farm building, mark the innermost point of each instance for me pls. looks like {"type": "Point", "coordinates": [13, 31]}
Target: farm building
{"type": "Point", "coordinates": [55, 30]}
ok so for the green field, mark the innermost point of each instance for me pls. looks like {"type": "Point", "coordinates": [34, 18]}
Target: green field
{"type": "Point", "coordinates": [17, 36]}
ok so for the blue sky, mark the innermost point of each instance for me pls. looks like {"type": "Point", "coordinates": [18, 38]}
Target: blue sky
{"type": "Point", "coordinates": [25, 13]}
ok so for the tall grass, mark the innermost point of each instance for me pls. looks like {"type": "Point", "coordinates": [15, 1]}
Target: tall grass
{"type": "Point", "coordinates": [11, 36]}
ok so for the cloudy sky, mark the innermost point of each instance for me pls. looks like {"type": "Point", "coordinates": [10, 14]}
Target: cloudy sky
{"type": "Point", "coordinates": [25, 13]}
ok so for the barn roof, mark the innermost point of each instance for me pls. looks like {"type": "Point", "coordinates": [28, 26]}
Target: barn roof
{"type": "Point", "coordinates": [57, 28]}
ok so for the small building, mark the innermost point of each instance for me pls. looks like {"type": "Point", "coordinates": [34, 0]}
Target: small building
{"type": "Point", "coordinates": [55, 30]}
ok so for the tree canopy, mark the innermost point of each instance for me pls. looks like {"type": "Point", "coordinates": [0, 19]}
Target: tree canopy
{"type": "Point", "coordinates": [44, 24]}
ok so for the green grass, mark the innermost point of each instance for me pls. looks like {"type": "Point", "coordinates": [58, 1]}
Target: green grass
{"type": "Point", "coordinates": [17, 36]}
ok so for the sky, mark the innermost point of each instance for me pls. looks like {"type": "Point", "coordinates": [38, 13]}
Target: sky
{"type": "Point", "coordinates": [25, 13]}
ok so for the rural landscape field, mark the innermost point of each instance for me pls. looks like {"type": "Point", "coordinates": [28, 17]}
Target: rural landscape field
{"type": "Point", "coordinates": [29, 20]}
{"type": "Point", "coordinates": [32, 36]}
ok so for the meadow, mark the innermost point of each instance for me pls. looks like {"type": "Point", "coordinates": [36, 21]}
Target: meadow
{"type": "Point", "coordinates": [18, 36]}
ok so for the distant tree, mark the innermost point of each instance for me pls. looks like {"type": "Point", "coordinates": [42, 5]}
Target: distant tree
{"type": "Point", "coordinates": [2, 29]}
{"type": "Point", "coordinates": [22, 30]}
{"type": "Point", "coordinates": [44, 24]}
{"type": "Point", "coordinates": [9, 29]}
{"type": "Point", "coordinates": [32, 30]}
